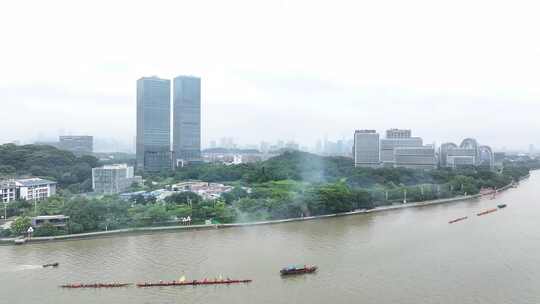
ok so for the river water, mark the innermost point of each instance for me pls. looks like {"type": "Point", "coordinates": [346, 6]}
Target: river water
{"type": "Point", "coordinates": [401, 256]}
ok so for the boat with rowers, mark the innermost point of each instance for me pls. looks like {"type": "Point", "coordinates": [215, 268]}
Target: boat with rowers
{"type": "Point", "coordinates": [96, 285]}
{"type": "Point", "coordinates": [500, 206]}
{"type": "Point", "coordinates": [458, 219]}
{"type": "Point", "coordinates": [298, 270]}
{"type": "Point", "coordinates": [193, 283]}
{"type": "Point", "coordinates": [487, 211]}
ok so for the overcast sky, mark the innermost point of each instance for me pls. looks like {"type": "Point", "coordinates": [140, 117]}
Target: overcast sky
{"type": "Point", "coordinates": [293, 70]}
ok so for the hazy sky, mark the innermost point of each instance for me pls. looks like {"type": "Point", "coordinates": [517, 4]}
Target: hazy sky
{"type": "Point", "coordinates": [295, 70]}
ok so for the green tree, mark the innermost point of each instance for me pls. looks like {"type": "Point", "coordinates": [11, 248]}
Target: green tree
{"type": "Point", "coordinates": [20, 225]}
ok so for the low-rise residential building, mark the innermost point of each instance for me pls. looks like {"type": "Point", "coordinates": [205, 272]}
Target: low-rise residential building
{"type": "Point", "coordinates": [8, 191]}
{"type": "Point", "coordinates": [111, 179]}
{"type": "Point", "coordinates": [32, 189]}
{"type": "Point", "coordinates": [204, 189]}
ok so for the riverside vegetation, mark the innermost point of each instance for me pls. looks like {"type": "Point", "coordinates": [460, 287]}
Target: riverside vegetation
{"type": "Point", "coordinates": [292, 184]}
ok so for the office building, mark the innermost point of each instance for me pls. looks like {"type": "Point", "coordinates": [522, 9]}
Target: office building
{"type": "Point", "coordinates": [396, 138]}
{"type": "Point", "coordinates": [153, 124]}
{"type": "Point", "coordinates": [388, 145]}
{"type": "Point", "coordinates": [366, 148]}
{"type": "Point", "coordinates": [111, 179]}
{"type": "Point", "coordinates": [398, 133]}
{"type": "Point", "coordinates": [415, 157]}
{"type": "Point", "coordinates": [468, 153]}
{"type": "Point", "coordinates": [78, 145]}
{"type": "Point", "coordinates": [187, 119]}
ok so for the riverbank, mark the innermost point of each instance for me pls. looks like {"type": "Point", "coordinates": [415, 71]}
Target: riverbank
{"type": "Point", "coordinates": [143, 230]}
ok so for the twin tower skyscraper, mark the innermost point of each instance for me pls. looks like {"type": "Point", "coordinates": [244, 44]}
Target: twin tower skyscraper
{"type": "Point", "coordinates": [154, 151]}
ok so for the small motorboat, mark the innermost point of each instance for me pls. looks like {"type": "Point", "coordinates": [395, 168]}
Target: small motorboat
{"type": "Point", "coordinates": [487, 211]}
{"type": "Point", "coordinates": [501, 206]}
{"type": "Point", "coordinates": [51, 265]}
{"type": "Point", "coordinates": [298, 270]}
{"type": "Point", "coordinates": [458, 219]}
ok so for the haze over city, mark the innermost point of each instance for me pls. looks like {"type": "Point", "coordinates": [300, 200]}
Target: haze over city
{"type": "Point", "coordinates": [276, 69]}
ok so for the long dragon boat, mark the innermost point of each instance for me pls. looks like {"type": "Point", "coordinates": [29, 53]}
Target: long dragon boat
{"type": "Point", "coordinates": [192, 283]}
{"type": "Point", "coordinates": [457, 220]}
{"type": "Point", "coordinates": [95, 285]}
{"type": "Point", "coordinates": [487, 211]}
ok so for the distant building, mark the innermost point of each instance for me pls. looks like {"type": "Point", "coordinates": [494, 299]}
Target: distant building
{"type": "Point", "coordinates": [78, 145]}
{"type": "Point", "coordinates": [415, 157]}
{"type": "Point", "coordinates": [35, 189]}
{"type": "Point", "coordinates": [187, 118]}
{"type": "Point", "coordinates": [398, 133]}
{"type": "Point", "coordinates": [111, 179]}
{"type": "Point", "coordinates": [460, 157]}
{"type": "Point", "coordinates": [498, 159]}
{"type": "Point", "coordinates": [232, 156]}
{"type": "Point", "coordinates": [58, 221]}
{"type": "Point", "coordinates": [388, 145]}
{"type": "Point", "coordinates": [8, 191]}
{"type": "Point", "coordinates": [469, 153]}
{"type": "Point", "coordinates": [366, 148]}
{"type": "Point", "coordinates": [153, 124]}
{"type": "Point", "coordinates": [443, 153]}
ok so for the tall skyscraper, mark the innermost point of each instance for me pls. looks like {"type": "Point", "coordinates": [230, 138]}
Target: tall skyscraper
{"type": "Point", "coordinates": [187, 119]}
{"type": "Point", "coordinates": [153, 124]}
{"type": "Point", "coordinates": [366, 148]}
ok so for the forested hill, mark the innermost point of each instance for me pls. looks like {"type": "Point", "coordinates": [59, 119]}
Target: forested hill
{"type": "Point", "coordinates": [70, 171]}
{"type": "Point", "coordinates": [302, 166]}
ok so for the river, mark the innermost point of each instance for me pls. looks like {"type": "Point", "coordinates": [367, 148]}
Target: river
{"type": "Point", "coordinates": [408, 255]}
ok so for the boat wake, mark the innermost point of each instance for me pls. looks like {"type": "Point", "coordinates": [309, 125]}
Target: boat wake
{"type": "Point", "coordinates": [21, 268]}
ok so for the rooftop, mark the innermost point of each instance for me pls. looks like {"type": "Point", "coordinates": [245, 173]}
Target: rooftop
{"type": "Point", "coordinates": [51, 217]}
{"type": "Point", "coordinates": [33, 182]}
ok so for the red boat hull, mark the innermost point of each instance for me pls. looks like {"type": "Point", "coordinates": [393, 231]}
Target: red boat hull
{"type": "Point", "coordinates": [192, 283]}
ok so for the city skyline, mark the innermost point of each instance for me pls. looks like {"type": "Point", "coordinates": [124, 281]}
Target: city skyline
{"type": "Point", "coordinates": [444, 87]}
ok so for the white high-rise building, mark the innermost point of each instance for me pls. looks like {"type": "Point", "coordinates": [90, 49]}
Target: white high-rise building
{"type": "Point", "coordinates": [366, 148]}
